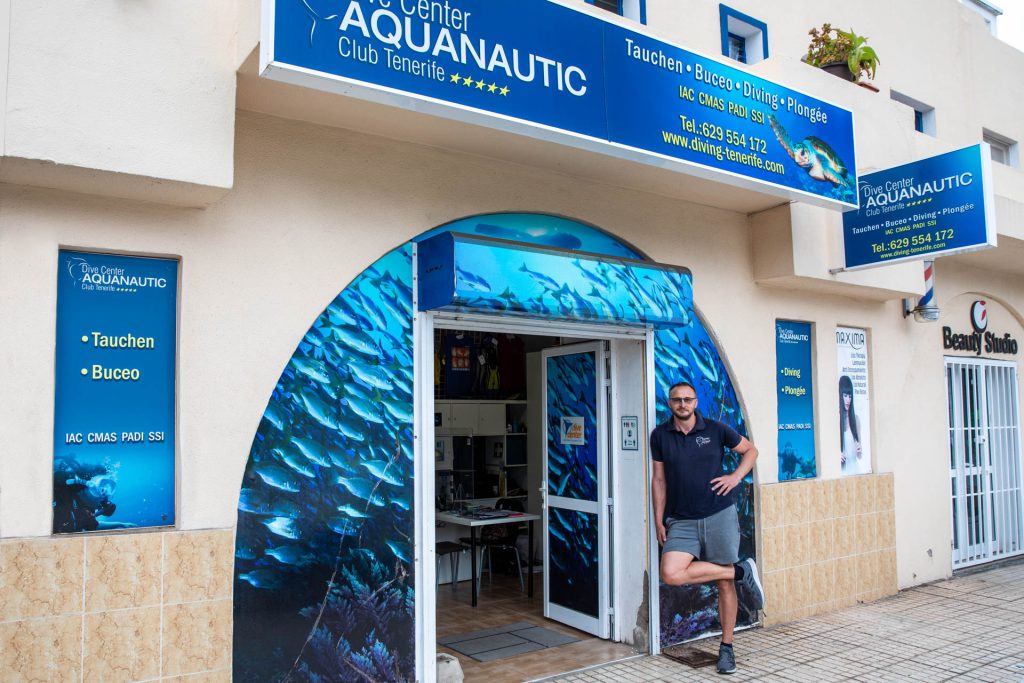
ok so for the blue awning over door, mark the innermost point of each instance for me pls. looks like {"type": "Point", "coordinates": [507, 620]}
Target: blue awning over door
{"type": "Point", "coordinates": [467, 273]}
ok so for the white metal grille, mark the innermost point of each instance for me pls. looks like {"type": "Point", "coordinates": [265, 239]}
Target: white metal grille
{"type": "Point", "coordinates": [984, 460]}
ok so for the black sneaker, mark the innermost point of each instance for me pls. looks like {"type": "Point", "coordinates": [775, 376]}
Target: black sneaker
{"type": "Point", "coordinates": [752, 583]}
{"type": "Point", "coordinates": [726, 660]}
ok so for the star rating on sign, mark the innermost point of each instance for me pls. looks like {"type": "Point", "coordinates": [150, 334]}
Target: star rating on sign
{"type": "Point", "coordinates": [479, 84]}
{"type": "Point", "coordinates": [920, 201]}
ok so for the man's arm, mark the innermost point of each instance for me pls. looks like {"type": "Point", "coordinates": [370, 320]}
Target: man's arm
{"type": "Point", "coordinates": [658, 494]}
{"type": "Point", "coordinates": [727, 482]}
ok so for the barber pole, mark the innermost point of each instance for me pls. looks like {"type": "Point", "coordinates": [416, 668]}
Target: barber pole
{"type": "Point", "coordinates": [926, 310]}
{"type": "Point", "coordinates": [929, 285]}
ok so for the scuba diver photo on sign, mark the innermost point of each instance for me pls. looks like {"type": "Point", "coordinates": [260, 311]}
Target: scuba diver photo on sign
{"type": "Point", "coordinates": [82, 495]}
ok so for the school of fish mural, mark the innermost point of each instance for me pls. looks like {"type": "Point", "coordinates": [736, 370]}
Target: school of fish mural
{"type": "Point", "coordinates": [689, 354]}
{"type": "Point", "coordinates": [324, 585]}
{"type": "Point", "coordinates": [466, 273]}
{"type": "Point", "coordinates": [324, 551]}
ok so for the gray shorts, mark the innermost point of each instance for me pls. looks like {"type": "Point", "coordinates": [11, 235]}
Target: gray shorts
{"type": "Point", "coordinates": [712, 539]}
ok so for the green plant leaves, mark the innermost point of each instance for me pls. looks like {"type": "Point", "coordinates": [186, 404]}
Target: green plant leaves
{"type": "Point", "coordinates": [831, 45]}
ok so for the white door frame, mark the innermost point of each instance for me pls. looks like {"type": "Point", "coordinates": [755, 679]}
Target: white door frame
{"type": "Point", "coordinates": [424, 324]}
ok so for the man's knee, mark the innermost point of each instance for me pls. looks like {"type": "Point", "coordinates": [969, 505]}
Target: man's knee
{"type": "Point", "coordinates": [674, 569]}
{"type": "Point", "coordinates": [673, 577]}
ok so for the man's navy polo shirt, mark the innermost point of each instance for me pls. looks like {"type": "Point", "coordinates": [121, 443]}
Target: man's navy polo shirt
{"type": "Point", "coordinates": [691, 462]}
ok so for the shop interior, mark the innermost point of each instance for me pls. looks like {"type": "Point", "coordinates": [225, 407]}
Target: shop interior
{"type": "Point", "coordinates": [489, 452]}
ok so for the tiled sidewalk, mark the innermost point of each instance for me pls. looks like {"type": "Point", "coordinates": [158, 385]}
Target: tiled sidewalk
{"type": "Point", "coordinates": [970, 628]}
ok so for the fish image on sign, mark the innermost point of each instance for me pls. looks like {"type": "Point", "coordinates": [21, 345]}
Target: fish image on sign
{"type": "Point", "coordinates": [819, 161]}
{"type": "Point", "coordinates": [461, 272]}
{"type": "Point", "coordinates": [572, 431]}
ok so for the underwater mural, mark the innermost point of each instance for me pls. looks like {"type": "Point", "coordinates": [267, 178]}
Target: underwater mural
{"type": "Point", "coordinates": [572, 394]}
{"type": "Point", "coordinates": [689, 354]}
{"type": "Point", "coordinates": [574, 561]}
{"type": "Point", "coordinates": [324, 548]}
{"type": "Point", "coordinates": [468, 273]}
{"type": "Point", "coordinates": [324, 584]}
{"type": "Point", "coordinates": [572, 444]}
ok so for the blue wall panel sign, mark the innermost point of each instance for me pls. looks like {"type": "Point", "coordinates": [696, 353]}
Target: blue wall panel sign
{"type": "Point", "coordinates": [795, 400]}
{"type": "Point", "coordinates": [929, 208]}
{"type": "Point", "coordinates": [539, 68]}
{"type": "Point", "coordinates": [113, 445]}
{"type": "Point", "coordinates": [468, 273]}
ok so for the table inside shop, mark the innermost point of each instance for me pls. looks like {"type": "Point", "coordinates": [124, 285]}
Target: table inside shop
{"type": "Point", "coordinates": [474, 522]}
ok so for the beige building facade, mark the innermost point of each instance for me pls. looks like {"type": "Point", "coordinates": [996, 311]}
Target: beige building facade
{"type": "Point", "coordinates": [146, 130]}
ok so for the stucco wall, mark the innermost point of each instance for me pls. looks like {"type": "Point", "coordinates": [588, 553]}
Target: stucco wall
{"type": "Point", "coordinates": [942, 72]}
{"type": "Point", "coordinates": [135, 89]}
{"type": "Point", "coordinates": [313, 206]}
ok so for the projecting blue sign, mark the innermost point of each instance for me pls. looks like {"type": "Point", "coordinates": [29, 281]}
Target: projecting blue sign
{"type": "Point", "coordinates": [795, 400]}
{"type": "Point", "coordinates": [929, 208]}
{"type": "Point", "coordinates": [113, 446]}
{"type": "Point", "coordinates": [539, 68]}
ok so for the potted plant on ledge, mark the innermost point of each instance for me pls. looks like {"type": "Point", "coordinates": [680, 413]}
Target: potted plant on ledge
{"type": "Point", "coordinates": [843, 54]}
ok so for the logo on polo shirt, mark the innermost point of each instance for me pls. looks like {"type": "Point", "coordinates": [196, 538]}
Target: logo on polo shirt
{"type": "Point", "coordinates": [703, 441]}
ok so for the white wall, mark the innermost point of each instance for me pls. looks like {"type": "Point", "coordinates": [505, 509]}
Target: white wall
{"type": "Point", "coordinates": [147, 90]}
{"type": "Point", "coordinates": [313, 206]}
{"type": "Point", "coordinates": [126, 88]}
{"type": "Point", "coordinates": [951, 60]}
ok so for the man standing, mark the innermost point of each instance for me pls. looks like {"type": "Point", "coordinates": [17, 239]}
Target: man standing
{"type": "Point", "coordinates": [694, 509]}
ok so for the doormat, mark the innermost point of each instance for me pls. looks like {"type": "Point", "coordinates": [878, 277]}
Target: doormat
{"type": "Point", "coordinates": [690, 656]}
{"type": "Point", "coordinates": [505, 641]}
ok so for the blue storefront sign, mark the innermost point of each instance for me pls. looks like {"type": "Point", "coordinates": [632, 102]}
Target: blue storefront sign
{"type": "Point", "coordinates": [114, 426]}
{"type": "Point", "coordinates": [541, 69]}
{"type": "Point", "coordinates": [794, 382]}
{"type": "Point", "coordinates": [929, 208]}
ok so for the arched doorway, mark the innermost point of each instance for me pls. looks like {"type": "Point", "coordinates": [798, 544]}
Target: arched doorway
{"type": "Point", "coordinates": [325, 557]}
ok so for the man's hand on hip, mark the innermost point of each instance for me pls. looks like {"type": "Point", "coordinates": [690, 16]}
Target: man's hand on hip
{"type": "Point", "coordinates": [724, 484]}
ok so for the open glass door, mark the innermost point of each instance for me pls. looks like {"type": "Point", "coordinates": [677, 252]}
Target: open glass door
{"type": "Point", "coordinates": [575, 493]}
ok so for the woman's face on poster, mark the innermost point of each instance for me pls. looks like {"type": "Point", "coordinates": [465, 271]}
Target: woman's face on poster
{"type": "Point", "coordinates": [847, 400]}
